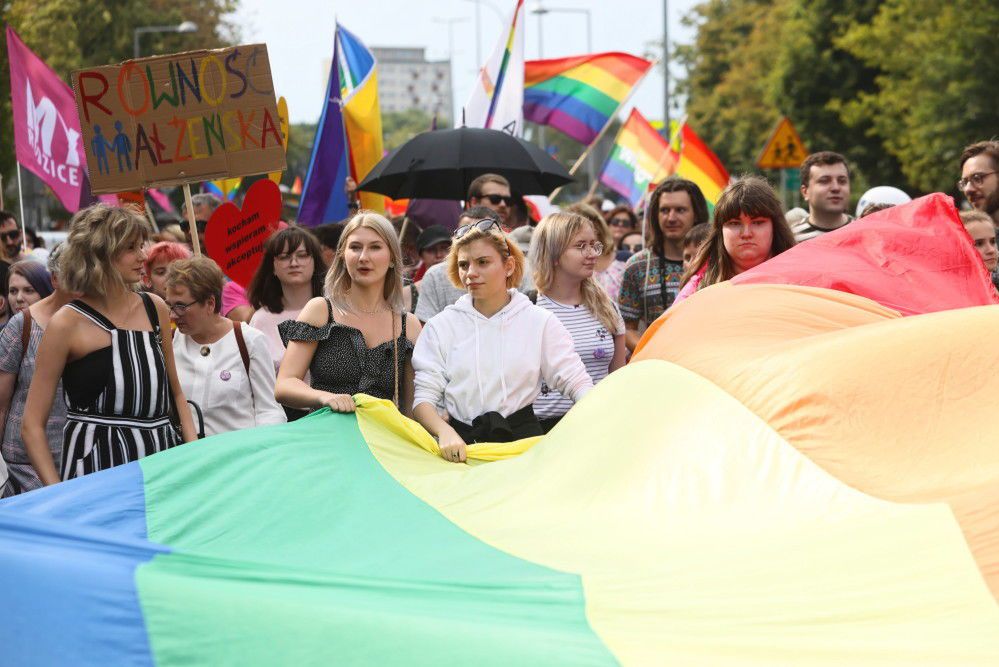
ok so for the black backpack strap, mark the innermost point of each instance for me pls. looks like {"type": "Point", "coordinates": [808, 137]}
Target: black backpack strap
{"type": "Point", "coordinates": [244, 354]}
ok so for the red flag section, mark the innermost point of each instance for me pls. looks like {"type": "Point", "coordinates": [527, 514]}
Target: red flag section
{"type": "Point", "coordinates": [914, 258]}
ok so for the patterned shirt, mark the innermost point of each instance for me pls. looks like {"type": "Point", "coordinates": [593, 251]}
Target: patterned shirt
{"type": "Point", "coordinates": [644, 297]}
{"type": "Point", "coordinates": [805, 230]}
{"type": "Point", "coordinates": [593, 343]}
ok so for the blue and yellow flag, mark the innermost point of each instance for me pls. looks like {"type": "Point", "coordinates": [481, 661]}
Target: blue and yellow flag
{"type": "Point", "coordinates": [361, 111]}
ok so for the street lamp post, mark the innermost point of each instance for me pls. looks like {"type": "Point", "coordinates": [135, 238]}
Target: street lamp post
{"type": "Point", "coordinates": [185, 27]}
{"type": "Point", "coordinates": [450, 48]}
{"type": "Point", "coordinates": [540, 10]}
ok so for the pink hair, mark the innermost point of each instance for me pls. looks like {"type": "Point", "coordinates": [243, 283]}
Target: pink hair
{"type": "Point", "coordinates": [165, 250]}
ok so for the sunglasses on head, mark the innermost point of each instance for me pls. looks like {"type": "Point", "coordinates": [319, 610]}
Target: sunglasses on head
{"type": "Point", "coordinates": [496, 199]}
{"type": "Point", "coordinates": [486, 224]}
{"type": "Point", "coordinates": [11, 235]}
{"type": "Point", "coordinates": [185, 226]}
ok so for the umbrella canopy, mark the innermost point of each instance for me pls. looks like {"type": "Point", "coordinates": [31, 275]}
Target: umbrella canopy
{"type": "Point", "coordinates": [441, 164]}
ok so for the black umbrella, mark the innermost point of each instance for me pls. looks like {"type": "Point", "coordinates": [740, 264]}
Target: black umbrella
{"type": "Point", "coordinates": [441, 164]}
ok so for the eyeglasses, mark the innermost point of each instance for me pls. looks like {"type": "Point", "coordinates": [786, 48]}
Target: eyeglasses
{"type": "Point", "coordinates": [179, 308]}
{"type": "Point", "coordinates": [485, 225]}
{"type": "Point", "coordinates": [596, 247]}
{"type": "Point", "coordinates": [620, 222]}
{"type": "Point", "coordinates": [185, 226]}
{"type": "Point", "coordinates": [11, 235]}
{"type": "Point", "coordinates": [637, 247]}
{"type": "Point", "coordinates": [496, 199]}
{"type": "Point", "coordinates": [975, 179]}
{"type": "Point", "coordinates": [285, 258]}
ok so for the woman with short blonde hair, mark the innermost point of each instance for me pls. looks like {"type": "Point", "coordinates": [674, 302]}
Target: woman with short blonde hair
{"type": "Point", "coordinates": [112, 348]}
{"type": "Point", "coordinates": [357, 339]}
{"type": "Point", "coordinates": [484, 358]}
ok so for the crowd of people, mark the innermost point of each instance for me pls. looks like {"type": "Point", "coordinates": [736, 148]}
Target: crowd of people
{"type": "Point", "coordinates": [120, 343]}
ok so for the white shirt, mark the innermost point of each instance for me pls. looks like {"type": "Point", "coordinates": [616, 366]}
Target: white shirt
{"type": "Point", "coordinates": [218, 382]}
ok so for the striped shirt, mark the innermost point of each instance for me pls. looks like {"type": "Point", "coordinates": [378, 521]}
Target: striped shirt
{"type": "Point", "coordinates": [805, 230]}
{"type": "Point", "coordinates": [593, 343]}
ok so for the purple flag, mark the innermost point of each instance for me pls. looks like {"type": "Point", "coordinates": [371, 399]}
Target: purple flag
{"type": "Point", "coordinates": [324, 196]}
{"type": "Point", "coordinates": [46, 125]}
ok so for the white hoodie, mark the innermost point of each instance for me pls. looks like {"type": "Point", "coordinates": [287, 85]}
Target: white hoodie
{"type": "Point", "coordinates": [474, 364]}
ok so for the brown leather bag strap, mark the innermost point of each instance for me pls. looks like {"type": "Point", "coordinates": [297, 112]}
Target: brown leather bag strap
{"type": "Point", "coordinates": [25, 332]}
{"type": "Point", "coordinates": [237, 329]}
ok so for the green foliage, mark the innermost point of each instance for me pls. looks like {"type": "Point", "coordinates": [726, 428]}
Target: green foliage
{"type": "Point", "coordinates": [299, 151]}
{"type": "Point", "coordinates": [898, 86]}
{"type": "Point", "coordinates": [70, 34]}
{"type": "Point", "coordinates": [936, 90]}
{"type": "Point", "coordinates": [399, 127]}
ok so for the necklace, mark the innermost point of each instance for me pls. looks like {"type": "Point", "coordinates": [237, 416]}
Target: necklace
{"type": "Point", "coordinates": [378, 309]}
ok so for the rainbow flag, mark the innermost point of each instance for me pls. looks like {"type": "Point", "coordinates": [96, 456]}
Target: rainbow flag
{"type": "Point", "coordinates": [770, 503]}
{"type": "Point", "coordinates": [497, 99]}
{"type": "Point", "coordinates": [225, 189]}
{"type": "Point", "coordinates": [698, 163]}
{"type": "Point", "coordinates": [639, 158]}
{"type": "Point", "coordinates": [578, 96]}
{"type": "Point", "coordinates": [361, 110]}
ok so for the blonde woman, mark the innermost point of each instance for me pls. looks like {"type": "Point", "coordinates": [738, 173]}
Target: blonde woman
{"type": "Point", "coordinates": [358, 338]}
{"type": "Point", "coordinates": [564, 254]}
{"type": "Point", "coordinates": [113, 351]}
{"type": "Point", "coordinates": [484, 358]}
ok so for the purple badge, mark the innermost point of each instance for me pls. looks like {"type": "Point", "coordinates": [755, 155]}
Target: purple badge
{"type": "Point", "coordinates": [599, 353]}
{"type": "Point", "coordinates": [225, 375]}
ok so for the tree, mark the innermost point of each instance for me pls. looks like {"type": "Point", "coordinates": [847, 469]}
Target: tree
{"type": "Point", "coordinates": [730, 76]}
{"type": "Point", "coordinates": [70, 34]}
{"type": "Point", "coordinates": [401, 126]}
{"type": "Point", "coordinates": [936, 90]}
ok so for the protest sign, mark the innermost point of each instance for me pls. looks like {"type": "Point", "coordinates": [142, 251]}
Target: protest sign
{"type": "Point", "coordinates": [282, 107]}
{"type": "Point", "coordinates": [235, 237]}
{"type": "Point", "coordinates": [176, 119]}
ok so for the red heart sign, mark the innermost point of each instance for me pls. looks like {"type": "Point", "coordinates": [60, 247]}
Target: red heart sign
{"type": "Point", "coordinates": [235, 237]}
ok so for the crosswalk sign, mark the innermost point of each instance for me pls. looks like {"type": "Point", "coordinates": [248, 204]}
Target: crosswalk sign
{"type": "Point", "coordinates": [784, 149]}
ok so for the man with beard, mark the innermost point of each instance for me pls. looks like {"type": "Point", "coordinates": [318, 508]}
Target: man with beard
{"type": "Point", "coordinates": [979, 178]}
{"type": "Point", "coordinates": [825, 185]}
{"type": "Point", "coordinates": [651, 278]}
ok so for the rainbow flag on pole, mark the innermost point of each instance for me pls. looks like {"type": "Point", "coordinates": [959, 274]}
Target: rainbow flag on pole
{"type": "Point", "coordinates": [640, 157]}
{"type": "Point", "coordinates": [698, 163]}
{"type": "Point", "coordinates": [497, 98]}
{"type": "Point", "coordinates": [578, 96]}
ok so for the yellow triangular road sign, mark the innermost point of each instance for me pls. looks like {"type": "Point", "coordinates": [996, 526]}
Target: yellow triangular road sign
{"type": "Point", "coordinates": [784, 149]}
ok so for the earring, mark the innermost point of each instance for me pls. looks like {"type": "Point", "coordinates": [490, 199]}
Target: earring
{"type": "Point", "coordinates": [391, 265]}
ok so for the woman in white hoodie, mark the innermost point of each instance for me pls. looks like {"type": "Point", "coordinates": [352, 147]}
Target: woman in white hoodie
{"type": "Point", "coordinates": [484, 358]}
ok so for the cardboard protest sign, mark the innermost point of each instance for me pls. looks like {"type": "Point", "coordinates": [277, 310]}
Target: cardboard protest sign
{"type": "Point", "coordinates": [235, 237]}
{"type": "Point", "coordinates": [282, 107]}
{"type": "Point", "coordinates": [169, 120]}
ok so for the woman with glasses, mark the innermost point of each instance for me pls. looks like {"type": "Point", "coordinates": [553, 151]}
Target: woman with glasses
{"type": "Point", "coordinates": [290, 273]}
{"type": "Point", "coordinates": [359, 337]}
{"type": "Point", "coordinates": [564, 256]}
{"type": "Point", "coordinates": [484, 358]}
{"type": "Point", "coordinates": [224, 367]}
{"type": "Point", "coordinates": [113, 350]}
{"type": "Point", "coordinates": [608, 270]}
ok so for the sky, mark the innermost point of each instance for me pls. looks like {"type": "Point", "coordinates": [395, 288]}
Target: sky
{"type": "Point", "coordinates": [299, 37]}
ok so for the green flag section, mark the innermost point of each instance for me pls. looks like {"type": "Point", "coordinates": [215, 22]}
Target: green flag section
{"type": "Point", "coordinates": [293, 546]}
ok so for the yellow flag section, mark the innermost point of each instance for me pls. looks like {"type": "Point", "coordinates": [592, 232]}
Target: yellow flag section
{"type": "Point", "coordinates": [282, 109]}
{"type": "Point", "coordinates": [703, 538]}
{"type": "Point", "coordinates": [784, 149]}
{"type": "Point", "coordinates": [361, 111]}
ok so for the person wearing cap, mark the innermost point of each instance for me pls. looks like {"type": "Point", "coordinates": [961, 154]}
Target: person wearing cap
{"type": "Point", "coordinates": [433, 244]}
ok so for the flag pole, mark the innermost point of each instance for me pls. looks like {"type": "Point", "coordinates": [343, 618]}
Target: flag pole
{"type": "Point", "coordinates": [586, 153]}
{"type": "Point", "coordinates": [195, 241]}
{"type": "Point", "coordinates": [20, 201]}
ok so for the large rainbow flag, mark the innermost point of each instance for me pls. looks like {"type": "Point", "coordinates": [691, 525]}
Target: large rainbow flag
{"type": "Point", "coordinates": [640, 157]}
{"type": "Point", "coordinates": [810, 479]}
{"type": "Point", "coordinates": [578, 96]}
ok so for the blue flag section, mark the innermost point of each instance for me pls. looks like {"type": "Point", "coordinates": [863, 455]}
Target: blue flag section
{"type": "Point", "coordinates": [324, 196]}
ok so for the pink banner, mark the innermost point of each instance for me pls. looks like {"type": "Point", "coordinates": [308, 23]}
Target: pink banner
{"type": "Point", "coordinates": [46, 125]}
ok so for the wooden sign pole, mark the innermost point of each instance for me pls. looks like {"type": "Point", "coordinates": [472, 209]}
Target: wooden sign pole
{"type": "Point", "coordinates": [195, 241]}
